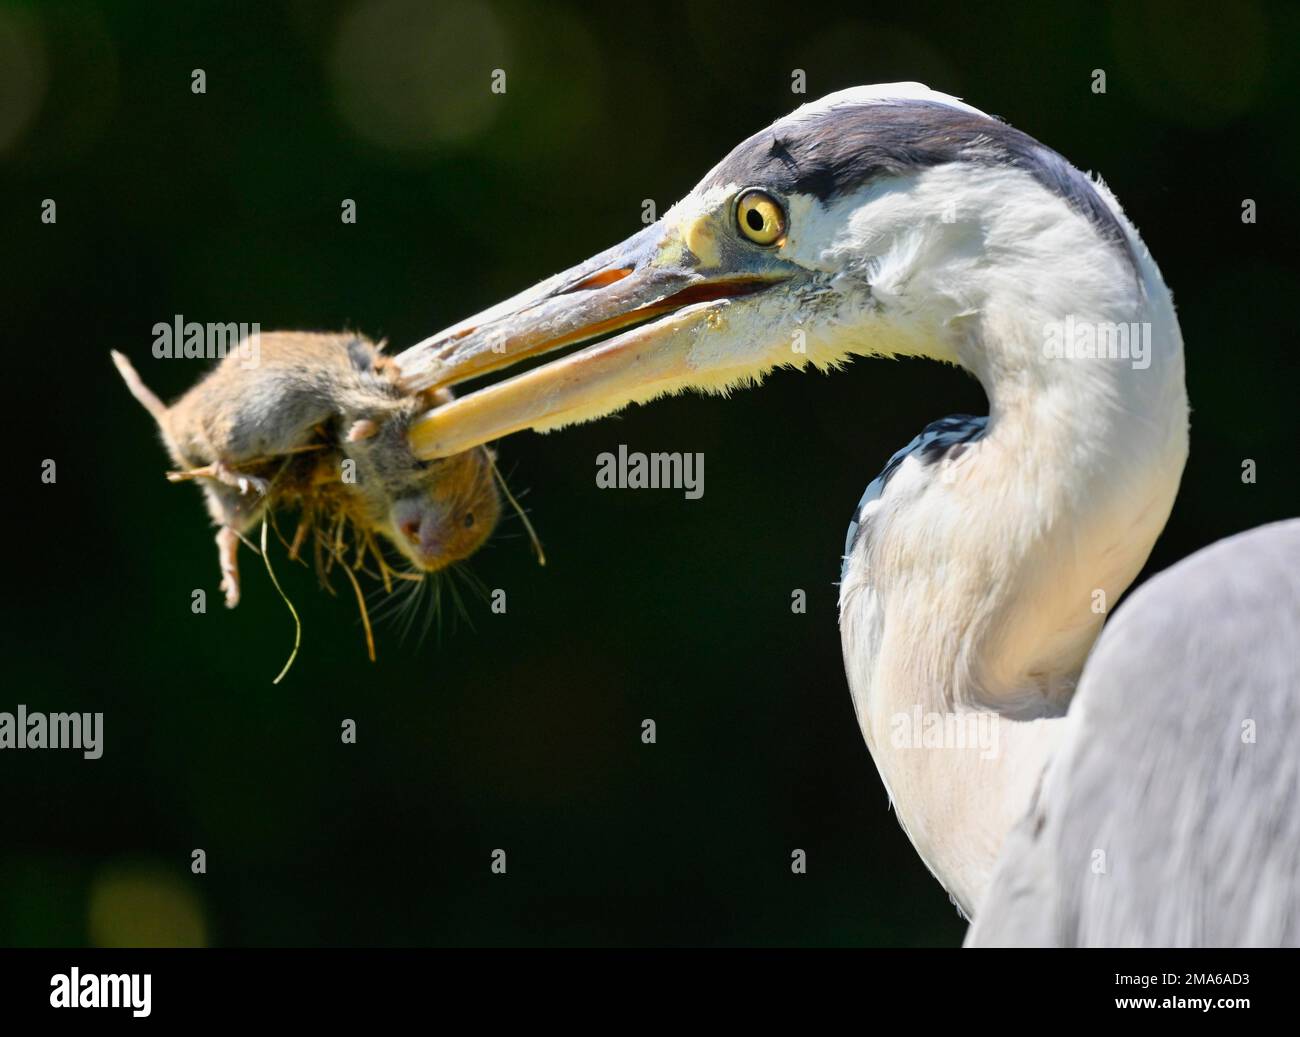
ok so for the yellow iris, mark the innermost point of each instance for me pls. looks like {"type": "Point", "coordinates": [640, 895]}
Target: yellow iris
{"type": "Point", "coordinates": [760, 217]}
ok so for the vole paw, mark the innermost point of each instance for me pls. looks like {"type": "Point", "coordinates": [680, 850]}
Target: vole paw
{"type": "Point", "coordinates": [241, 481]}
{"type": "Point", "coordinates": [230, 587]}
{"type": "Point", "coordinates": [228, 558]}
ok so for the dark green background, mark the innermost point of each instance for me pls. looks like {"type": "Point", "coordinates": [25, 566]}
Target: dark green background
{"type": "Point", "coordinates": [523, 732]}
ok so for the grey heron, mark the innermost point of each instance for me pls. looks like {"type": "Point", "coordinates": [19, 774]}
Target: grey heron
{"type": "Point", "coordinates": [1139, 788]}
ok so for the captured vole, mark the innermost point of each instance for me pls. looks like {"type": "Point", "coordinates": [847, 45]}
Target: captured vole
{"type": "Point", "coordinates": [327, 399]}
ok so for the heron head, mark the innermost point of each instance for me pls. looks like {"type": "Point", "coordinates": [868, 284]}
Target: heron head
{"type": "Point", "coordinates": [871, 222]}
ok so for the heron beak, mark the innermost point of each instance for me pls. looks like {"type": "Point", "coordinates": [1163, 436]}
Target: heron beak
{"type": "Point", "coordinates": [669, 281]}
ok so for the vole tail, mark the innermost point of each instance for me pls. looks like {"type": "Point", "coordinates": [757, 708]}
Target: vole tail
{"type": "Point", "coordinates": [139, 390]}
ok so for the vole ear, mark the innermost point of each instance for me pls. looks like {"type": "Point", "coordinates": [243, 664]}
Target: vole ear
{"type": "Point", "coordinates": [362, 354]}
{"type": "Point", "coordinates": [363, 429]}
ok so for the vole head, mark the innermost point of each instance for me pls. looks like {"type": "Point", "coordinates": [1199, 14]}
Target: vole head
{"type": "Point", "coordinates": [434, 512]}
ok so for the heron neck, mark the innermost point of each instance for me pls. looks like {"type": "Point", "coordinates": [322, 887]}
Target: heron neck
{"type": "Point", "coordinates": [1059, 505]}
{"type": "Point", "coordinates": [967, 621]}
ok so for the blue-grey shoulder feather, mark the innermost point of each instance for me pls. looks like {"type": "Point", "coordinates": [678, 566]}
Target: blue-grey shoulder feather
{"type": "Point", "coordinates": [934, 442]}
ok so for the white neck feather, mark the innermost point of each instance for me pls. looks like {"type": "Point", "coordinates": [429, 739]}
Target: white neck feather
{"type": "Point", "coordinates": [982, 580]}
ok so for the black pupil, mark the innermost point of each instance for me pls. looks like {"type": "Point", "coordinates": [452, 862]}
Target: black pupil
{"type": "Point", "coordinates": [754, 219]}
{"type": "Point", "coordinates": [469, 519]}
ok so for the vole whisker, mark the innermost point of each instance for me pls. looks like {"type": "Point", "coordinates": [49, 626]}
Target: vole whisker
{"type": "Point", "coordinates": [461, 610]}
{"type": "Point", "coordinates": [433, 615]}
{"type": "Point", "coordinates": [532, 533]}
{"type": "Point", "coordinates": [472, 581]}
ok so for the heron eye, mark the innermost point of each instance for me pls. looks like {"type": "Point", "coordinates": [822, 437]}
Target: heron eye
{"type": "Point", "coordinates": [760, 217]}
{"type": "Point", "coordinates": [469, 519]}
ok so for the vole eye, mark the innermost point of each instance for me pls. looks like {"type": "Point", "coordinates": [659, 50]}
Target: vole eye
{"type": "Point", "coordinates": [760, 217]}
{"type": "Point", "coordinates": [469, 519]}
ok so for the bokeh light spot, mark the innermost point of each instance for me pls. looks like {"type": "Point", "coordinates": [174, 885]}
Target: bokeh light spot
{"type": "Point", "coordinates": [24, 74]}
{"type": "Point", "coordinates": [1200, 66]}
{"type": "Point", "coordinates": [409, 76]}
{"type": "Point", "coordinates": [144, 906]}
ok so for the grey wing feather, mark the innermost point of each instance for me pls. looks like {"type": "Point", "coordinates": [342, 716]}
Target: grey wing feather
{"type": "Point", "coordinates": [1171, 814]}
